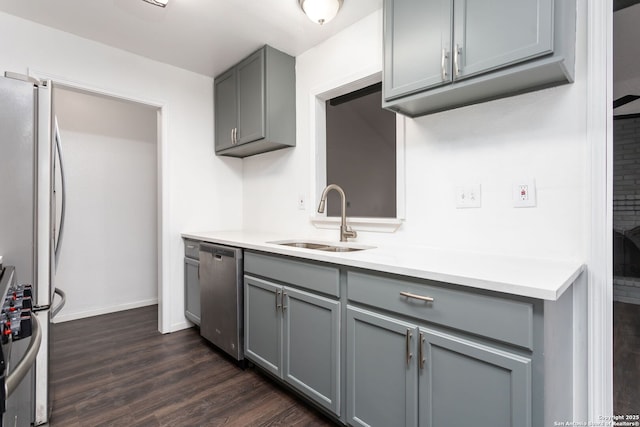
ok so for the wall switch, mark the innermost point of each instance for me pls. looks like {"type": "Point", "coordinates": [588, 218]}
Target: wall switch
{"type": "Point", "coordinates": [301, 204]}
{"type": "Point", "coordinates": [468, 196]}
{"type": "Point", "coordinates": [524, 193]}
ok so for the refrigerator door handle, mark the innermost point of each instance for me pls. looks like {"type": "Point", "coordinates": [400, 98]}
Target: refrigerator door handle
{"type": "Point", "coordinates": [57, 308]}
{"type": "Point", "coordinates": [64, 191]}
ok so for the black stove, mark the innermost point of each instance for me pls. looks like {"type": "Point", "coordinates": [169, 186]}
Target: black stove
{"type": "Point", "coordinates": [15, 325]}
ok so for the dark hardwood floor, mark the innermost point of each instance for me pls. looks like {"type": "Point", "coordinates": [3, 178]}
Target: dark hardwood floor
{"type": "Point", "coordinates": [626, 359]}
{"type": "Point", "coordinates": [118, 370]}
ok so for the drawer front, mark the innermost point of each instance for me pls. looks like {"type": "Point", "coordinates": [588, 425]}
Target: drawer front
{"type": "Point", "coordinates": [318, 278]}
{"type": "Point", "coordinates": [191, 249]}
{"type": "Point", "coordinates": [501, 319]}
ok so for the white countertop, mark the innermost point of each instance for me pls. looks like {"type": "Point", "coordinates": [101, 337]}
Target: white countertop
{"type": "Point", "coordinates": [529, 277]}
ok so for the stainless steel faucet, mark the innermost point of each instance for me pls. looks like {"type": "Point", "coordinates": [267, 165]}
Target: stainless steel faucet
{"type": "Point", "coordinates": [345, 231]}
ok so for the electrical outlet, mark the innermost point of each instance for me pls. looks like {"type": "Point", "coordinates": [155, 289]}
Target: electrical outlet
{"type": "Point", "coordinates": [468, 196]}
{"type": "Point", "coordinates": [301, 204]}
{"type": "Point", "coordinates": [524, 194]}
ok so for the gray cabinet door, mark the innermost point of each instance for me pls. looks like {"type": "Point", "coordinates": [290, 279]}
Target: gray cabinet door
{"type": "Point", "coordinates": [225, 109]}
{"type": "Point", "coordinates": [312, 346]}
{"type": "Point", "coordinates": [382, 377]}
{"type": "Point", "coordinates": [251, 98]}
{"type": "Point", "coordinates": [263, 324]}
{"type": "Point", "coordinates": [417, 37]}
{"type": "Point", "coordinates": [192, 290]}
{"type": "Point", "coordinates": [466, 383]}
{"type": "Point", "coordinates": [490, 34]}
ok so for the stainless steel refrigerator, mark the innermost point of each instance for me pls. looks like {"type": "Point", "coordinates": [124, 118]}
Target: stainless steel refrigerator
{"type": "Point", "coordinates": [30, 229]}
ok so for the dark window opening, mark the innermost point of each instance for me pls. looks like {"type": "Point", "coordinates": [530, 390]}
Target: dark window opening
{"type": "Point", "coordinates": [361, 154]}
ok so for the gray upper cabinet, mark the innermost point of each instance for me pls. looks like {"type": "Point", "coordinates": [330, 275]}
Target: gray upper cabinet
{"type": "Point", "coordinates": [423, 25]}
{"type": "Point", "coordinates": [496, 33]}
{"type": "Point", "coordinates": [442, 54]}
{"type": "Point", "coordinates": [226, 109]}
{"type": "Point", "coordinates": [251, 93]}
{"type": "Point", "coordinates": [255, 105]}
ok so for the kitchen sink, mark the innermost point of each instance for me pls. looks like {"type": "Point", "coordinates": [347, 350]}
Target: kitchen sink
{"type": "Point", "coordinates": [306, 245]}
{"type": "Point", "coordinates": [323, 246]}
{"type": "Point", "coordinates": [340, 249]}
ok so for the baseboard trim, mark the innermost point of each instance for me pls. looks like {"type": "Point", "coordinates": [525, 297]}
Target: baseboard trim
{"type": "Point", "coordinates": [66, 317]}
{"type": "Point", "coordinates": [180, 326]}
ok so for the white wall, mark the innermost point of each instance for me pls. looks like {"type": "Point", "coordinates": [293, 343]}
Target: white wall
{"type": "Point", "coordinates": [199, 191]}
{"type": "Point", "coordinates": [108, 259]}
{"type": "Point", "coordinates": [539, 135]}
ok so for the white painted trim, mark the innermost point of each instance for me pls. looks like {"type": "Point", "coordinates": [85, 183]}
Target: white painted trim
{"type": "Point", "coordinates": [317, 125]}
{"type": "Point", "coordinates": [104, 310]}
{"type": "Point", "coordinates": [380, 225]}
{"type": "Point", "coordinates": [600, 262]}
{"type": "Point", "coordinates": [164, 262]}
{"type": "Point", "coordinates": [91, 89]}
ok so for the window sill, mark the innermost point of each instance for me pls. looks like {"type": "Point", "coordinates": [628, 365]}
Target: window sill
{"type": "Point", "coordinates": [379, 225]}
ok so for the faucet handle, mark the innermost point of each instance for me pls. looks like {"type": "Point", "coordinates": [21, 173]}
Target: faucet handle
{"type": "Point", "coordinates": [349, 233]}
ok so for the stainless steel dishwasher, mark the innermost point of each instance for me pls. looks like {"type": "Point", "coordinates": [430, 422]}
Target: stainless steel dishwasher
{"type": "Point", "coordinates": [221, 298]}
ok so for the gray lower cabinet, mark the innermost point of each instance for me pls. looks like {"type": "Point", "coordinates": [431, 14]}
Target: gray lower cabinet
{"type": "Point", "coordinates": [382, 381]}
{"type": "Point", "coordinates": [263, 324]}
{"type": "Point", "coordinates": [192, 282]}
{"type": "Point", "coordinates": [403, 374]}
{"type": "Point", "coordinates": [254, 105]}
{"type": "Point", "coordinates": [466, 383]}
{"type": "Point", "coordinates": [442, 54]}
{"type": "Point", "coordinates": [295, 335]}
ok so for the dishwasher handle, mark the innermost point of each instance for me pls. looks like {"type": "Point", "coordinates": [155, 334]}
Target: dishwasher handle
{"type": "Point", "coordinates": [218, 251]}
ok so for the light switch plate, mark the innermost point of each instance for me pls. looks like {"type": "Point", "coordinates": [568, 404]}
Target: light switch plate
{"type": "Point", "coordinates": [468, 196]}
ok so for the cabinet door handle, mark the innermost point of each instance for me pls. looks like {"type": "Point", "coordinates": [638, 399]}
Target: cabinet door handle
{"type": "Point", "coordinates": [408, 342]}
{"type": "Point", "coordinates": [456, 60]}
{"type": "Point", "coordinates": [414, 296]}
{"type": "Point", "coordinates": [232, 132]}
{"type": "Point", "coordinates": [443, 64]}
{"type": "Point", "coordinates": [191, 246]}
{"type": "Point", "coordinates": [421, 350]}
{"type": "Point", "coordinates": [277, 296]}
{"type": "Point", "coordinates": [284, 295]}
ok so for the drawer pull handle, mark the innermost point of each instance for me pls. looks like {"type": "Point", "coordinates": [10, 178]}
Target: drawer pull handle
{"type": "Point", "coordinates": [456, 60]}
{"type": "Point", "coordinates": [414, 296]}
{"type": "Point", "coordinates": [421, 351]}
{"type": "Point", "coordinates": [443, 64]}
{"type": "Point", "coordinates": [284, 295]}
{"type": "Point", "coordinates": [277, 296]}
{"type": "Point", "coordinates": [408, 342]}
{"type": "Point", "coordinates": [191, 247]}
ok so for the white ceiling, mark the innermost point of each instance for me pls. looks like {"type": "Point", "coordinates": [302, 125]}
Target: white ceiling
{"type": "Point", "coordinates": [204, 36]}
{"type": "Point", "coordinates": [208, 36]}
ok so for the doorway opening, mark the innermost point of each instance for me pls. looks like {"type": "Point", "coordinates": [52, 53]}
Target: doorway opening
{"type": "Point", "coordinates": [110, 249]}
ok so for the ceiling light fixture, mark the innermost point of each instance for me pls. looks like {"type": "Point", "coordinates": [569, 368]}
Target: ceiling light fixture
{"type": "Point", "coordinates": [320, 11]}
{"type": "Point", "coordinates": [161, 3]}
